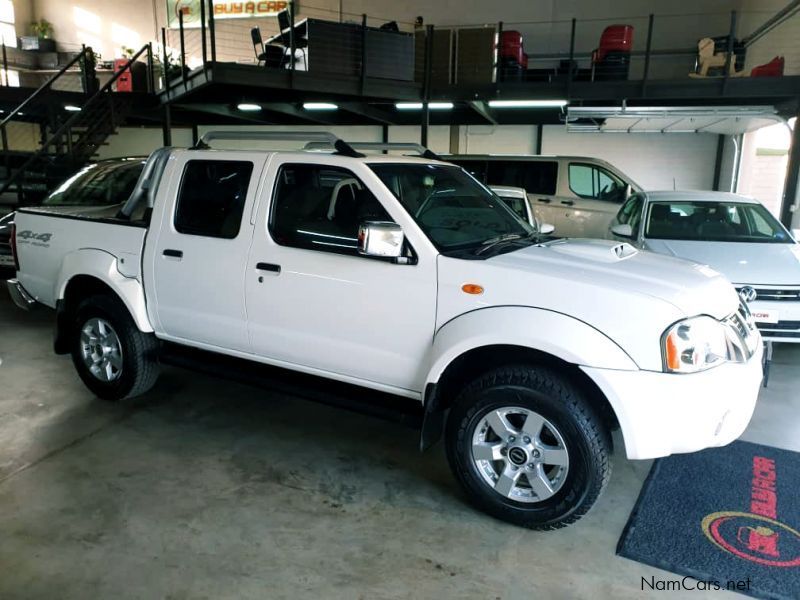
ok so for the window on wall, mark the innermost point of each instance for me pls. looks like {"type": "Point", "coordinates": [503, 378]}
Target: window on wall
{"type": "Point", "coordinates": [8, 32]}
{"type": "Point", "coordinates": [8, 36]}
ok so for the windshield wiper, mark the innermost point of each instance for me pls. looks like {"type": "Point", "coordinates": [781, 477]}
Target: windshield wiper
{"type": "Point", "coordinates": [500, 239]}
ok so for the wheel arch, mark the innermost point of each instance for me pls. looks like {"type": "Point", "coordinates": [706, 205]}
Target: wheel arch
{"type": "Point", "coordinates": [476, 361]}
{"type": "Point", "coordinates": [78, 286]}
{"type": "Point", "coordinates": [484, 339]}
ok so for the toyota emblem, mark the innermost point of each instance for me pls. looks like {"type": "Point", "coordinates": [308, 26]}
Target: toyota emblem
{"type": "Point", "coordinates": [747, 294]}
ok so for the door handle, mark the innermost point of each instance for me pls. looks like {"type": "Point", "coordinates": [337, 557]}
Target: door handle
{"type": "Point", "coordinates": [272, 268]}
{"type": "Point", "coordinates": [567, 202]}
{"type": "Point", "coordinates": [173, 253]}
{"type": "Point", "coordinates": [545, 200]}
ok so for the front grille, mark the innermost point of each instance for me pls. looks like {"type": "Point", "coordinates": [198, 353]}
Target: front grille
{"type": "Point", "coordinates": [775, 295]}
{"type": "Point", "coordinates": [785, 325]}
{"type": "Point", "coordinates": [782, 334]}
{"type": "Point", "coordinates": [742, 336]}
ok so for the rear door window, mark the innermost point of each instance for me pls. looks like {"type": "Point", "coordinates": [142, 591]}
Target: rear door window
{"type": "Point", "coordinates": [534, 176]}
{"type": "Point", "coordinates": [211, 198]}
{"type": "Point", "coordinates": [475, 167]}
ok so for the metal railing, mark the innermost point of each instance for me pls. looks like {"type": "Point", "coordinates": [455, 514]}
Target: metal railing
{"type": "Point", "coordinates": [77, 138]}
{"type": "Point", "coordinates": [557, 50]}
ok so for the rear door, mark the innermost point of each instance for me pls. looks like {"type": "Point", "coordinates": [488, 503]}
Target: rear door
{"type": "Point", "coordinates": [597, 195]}
{"type": "Point", "coordinates": [199, 256]}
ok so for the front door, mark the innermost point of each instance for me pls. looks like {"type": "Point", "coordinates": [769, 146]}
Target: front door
{"type": "Point", "coordinates": [200, 253]}
{"type": "Point", "coordinates": [598, 195]}
{"type": "Point", "coordinates": [314, 302]}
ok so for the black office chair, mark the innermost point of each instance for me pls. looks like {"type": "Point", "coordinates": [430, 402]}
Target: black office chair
{"type": "Point", "coordinates": [300, 43]}
{"type": "Point", "coordinates": [271, 55]}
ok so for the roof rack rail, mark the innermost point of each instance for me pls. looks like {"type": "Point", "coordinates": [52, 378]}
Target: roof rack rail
{"type": "Point", "coordinates": [341, 147]}
{"type": "Point", "coordinates": [409, 146]}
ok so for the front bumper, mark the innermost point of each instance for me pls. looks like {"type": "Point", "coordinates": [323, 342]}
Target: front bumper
{"type": "Point", "coordinates": [18, 294]}
{"type": "Point", "coordinates": [667, 413]}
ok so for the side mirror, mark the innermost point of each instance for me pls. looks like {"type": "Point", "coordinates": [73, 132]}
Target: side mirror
{"type": "Point", "coordinates": [382, 239]}
{"type": "Point", "coordinates": [622, 230]}
{"type": "Point", "coordinates": [546, 228]}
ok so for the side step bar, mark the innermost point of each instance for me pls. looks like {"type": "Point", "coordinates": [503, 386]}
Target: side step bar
{"type": "Point", "coordinates": [310, 387]}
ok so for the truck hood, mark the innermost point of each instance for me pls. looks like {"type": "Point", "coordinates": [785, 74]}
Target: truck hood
{"type": "Point", "coordinates": [693, 288]}
{"type": "Point", "coordinates": [628, 295]}
{"type": "Point", "coordinates": [742, 263]}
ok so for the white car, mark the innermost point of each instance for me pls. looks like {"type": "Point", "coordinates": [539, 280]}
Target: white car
{"type": "Point", "coordinates": [517, 200]}
{"type": "Point", "coordinates": [407, 277]}
{"type": "Point", "coordinates": [733, 234]}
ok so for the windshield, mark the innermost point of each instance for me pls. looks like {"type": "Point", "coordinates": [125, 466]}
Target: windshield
{"type": "Point", "coordinates": [99, 184]}
{"type": "Point", "coordinates": [715, 222]}
{"type": "Point", "coordinates": [453, 209]}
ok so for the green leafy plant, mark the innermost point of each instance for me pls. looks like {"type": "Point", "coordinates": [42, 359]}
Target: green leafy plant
{"type": "Point", "coordinates": [43, 29]}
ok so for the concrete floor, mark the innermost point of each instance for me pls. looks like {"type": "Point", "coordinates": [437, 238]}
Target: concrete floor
{"type": "Point", "coordinates": [207, 489]}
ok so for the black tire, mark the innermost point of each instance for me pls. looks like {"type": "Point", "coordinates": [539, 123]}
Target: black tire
{"type": "Point", "coordinates": [553, 397]}
{"type": "Point", "coordinates": [139, 350]}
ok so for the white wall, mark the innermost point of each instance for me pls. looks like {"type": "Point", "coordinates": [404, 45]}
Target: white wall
{"type": "Point", "coordinates": [141, 141]}
{"type": "Point", "coordinates": [654, 160]}
{"type": "Point", "coordinates": [500, 139]}
{"type": "Point", "coordinates": [105, 25]}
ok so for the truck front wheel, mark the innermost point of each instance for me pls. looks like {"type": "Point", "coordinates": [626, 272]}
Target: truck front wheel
{"type": "Point", "coordinates": [113, 358]}
{"type": "Point", "coordinates": [527, 447]}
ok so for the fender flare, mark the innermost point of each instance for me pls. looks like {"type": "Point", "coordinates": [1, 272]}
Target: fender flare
{"type": "Point", "coordinates": [101, 265]}
{"type": "Point", "coordinates": [548, 331]}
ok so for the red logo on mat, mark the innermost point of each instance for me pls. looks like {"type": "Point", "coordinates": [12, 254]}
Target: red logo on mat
{"type": "Point", "coordinates": [756, 536]}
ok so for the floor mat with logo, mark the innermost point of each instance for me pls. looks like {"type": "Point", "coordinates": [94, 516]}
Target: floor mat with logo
{"type": "Point", "coordinates": [728, 518]}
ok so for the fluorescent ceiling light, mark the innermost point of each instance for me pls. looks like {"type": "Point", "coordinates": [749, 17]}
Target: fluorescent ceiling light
{"type": "Point", "coordinates": [527, 103]}
{"type": "Point", "coordinates": [418, 105]}
{"type": "Point", "coordinates": [248, 107]}
{"type": "Point", "coordinates": [72, 108]}
{"type": "Point", "coordinates": [319, 106]}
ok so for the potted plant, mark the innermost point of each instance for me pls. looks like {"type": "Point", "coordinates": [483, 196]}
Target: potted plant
{"type": "Point", "coordinates": [42, 38]}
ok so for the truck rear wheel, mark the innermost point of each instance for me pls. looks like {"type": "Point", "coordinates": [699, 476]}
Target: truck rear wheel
{"type": "Point", "coordinates": [113, 358]}
{"type": "Point", "coordinates": [527, 447]}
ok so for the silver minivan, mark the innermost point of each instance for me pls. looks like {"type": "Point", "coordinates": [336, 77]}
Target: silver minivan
{"type": "Point", "coordinates": [578, 195]}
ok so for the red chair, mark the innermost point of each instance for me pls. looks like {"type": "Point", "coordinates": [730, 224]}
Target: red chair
{"type": "Point", "coordinates": [511, 46]}
{"type": "Point", "coordinates": [773, 68]}
{"type": "Point", "coordinates": [611, 59]}
{"type": "Point", "coordinates": [511, 57]}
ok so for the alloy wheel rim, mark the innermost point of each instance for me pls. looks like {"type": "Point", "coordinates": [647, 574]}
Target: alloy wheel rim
{"type": "Point", "coordinates": [520, 454]}
{"type": "Point", "coordinates": [101, 350]}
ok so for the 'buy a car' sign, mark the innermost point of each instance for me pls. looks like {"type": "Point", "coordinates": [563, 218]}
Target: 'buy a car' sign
{"type": "Point", "coordinates": [222, 10]}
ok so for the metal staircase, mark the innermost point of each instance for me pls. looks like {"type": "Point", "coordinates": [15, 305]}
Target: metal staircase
{"type": "Point", "coordinates": [68, 140]}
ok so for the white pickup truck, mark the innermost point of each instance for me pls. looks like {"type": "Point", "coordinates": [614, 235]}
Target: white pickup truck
{"type": "Point", "coordinates": [405, 276]}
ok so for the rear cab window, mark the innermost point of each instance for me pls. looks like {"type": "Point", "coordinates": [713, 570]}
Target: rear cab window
{"type": "Point", "coordinates": [211, 198]}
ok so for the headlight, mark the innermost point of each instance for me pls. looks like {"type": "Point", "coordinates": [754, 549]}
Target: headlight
{"type": "Point", "coordinates": [694, 345]}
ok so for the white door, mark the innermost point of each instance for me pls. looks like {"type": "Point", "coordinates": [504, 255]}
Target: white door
{"type": "Point", "coordinates": [597, 197]}
{"type": "Point", "coordinates": [199, 256]}
{"type": "Point", "coordinates": [313, 302]}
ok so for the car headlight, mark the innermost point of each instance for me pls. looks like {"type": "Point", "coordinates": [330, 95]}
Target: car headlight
{"type": "Point", "coordinates": [693, 345]}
